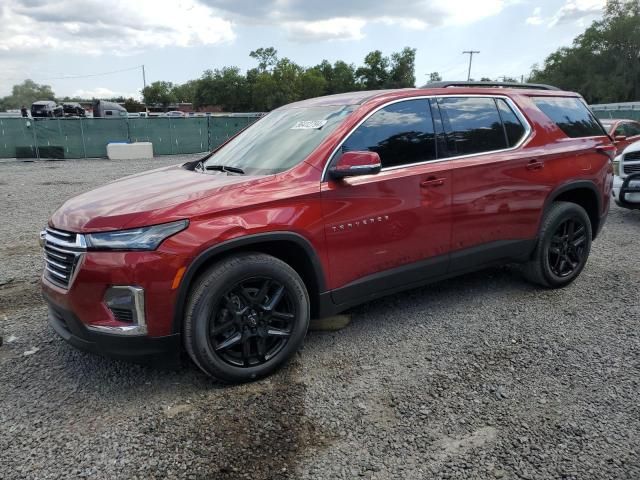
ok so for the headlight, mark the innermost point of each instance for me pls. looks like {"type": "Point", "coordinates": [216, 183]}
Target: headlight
{"type": "Point", "coordinates": [143, 238]}
{"type": "Point", "coordinates": [616, 168]}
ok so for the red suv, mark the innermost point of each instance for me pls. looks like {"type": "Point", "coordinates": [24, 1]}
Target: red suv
{"type": "Point", "coordinates": [321, 205]}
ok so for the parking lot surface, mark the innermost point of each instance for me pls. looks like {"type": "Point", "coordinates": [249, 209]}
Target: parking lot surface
{"type": "Point", "coordinates": [483, 376]}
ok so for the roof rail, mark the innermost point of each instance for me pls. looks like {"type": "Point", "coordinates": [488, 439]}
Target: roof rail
{"type": "Point", "coordinates": [534, 86]}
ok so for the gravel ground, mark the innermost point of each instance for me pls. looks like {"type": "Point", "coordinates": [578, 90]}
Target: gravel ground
{"type": "Point", "coordinates": [483, 376]}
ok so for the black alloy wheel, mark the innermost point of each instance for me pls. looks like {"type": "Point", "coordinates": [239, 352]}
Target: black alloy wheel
{"type": "Point", "coordinates": [246, 315]}
{"type": "Point", "coordinates": [562, 247]}
{"type": "Point", "coordinates": [252, 322]}
{"type": "Point", "coordinates": [567, 248]}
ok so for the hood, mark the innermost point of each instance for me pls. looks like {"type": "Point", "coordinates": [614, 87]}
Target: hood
{"type": "Point", "coordinates": [130, 202]}
{"type": "Point", "coordinates": [634, 147]}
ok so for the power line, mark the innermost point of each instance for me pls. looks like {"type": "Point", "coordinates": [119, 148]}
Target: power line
{"type": "Point", "coordinates": [69, 77]}
{"type": "Point", "coordinates": [470, 53]}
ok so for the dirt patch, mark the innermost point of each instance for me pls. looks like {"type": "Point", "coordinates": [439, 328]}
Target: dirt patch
{"type": "Point", "coordinates": [261, 428]}
{"type": "Point", "coordinates": [20, 249]}
{"type": "Point", "coordinates": [17, 294]}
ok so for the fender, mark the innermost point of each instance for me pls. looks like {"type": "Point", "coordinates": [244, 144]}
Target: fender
{"type": "Point", "coordinates": [244, 241]}
{"type": "Point", "coordinates": [574, 185]}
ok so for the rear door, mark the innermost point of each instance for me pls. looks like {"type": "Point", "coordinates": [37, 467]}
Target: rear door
{"type": "Point", "coordinates": [393, 228]}
{"type": "Point", "coordinates": [498, 188]}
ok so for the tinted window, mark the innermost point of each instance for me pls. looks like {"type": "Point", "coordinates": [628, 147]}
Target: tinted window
{"type": "Point", "coordinates": [472, 125]}
{"type": "Point", "coordinates": [571, 115]}
{"type": "Point", "coordinates": [631, 129]}
{"type": "Point", "coordinates": [620, 130]}
{"type": "Point", "coordinates": [401, 133]}
{"type": "Point", "coordinates": [512, 126]}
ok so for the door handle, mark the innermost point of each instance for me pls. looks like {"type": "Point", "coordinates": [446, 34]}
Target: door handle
{"type": "Point", "coordinates": [432, 181]}
{"type": "Point", "coordinates": [535, 165]}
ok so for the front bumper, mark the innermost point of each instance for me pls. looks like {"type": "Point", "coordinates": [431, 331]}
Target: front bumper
{"type": "Point", "coordinates": [163, 351]}
{"type": "Point", "coordinates": [626, 191]}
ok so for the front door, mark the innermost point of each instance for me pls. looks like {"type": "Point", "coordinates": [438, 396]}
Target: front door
{"type": "Point", "coordinates": [391, 229]}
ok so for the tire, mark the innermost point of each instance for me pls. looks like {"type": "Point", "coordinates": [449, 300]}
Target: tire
{"type": "Point", "coordinates": [246, 316]}
{"type": "Point", "coordinates": [562, 250]}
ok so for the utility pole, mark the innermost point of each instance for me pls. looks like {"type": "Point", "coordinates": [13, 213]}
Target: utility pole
{"type": "Point", "coordinates": [470, 53]}
{"type": "Point", "coordinates": [144, 87]}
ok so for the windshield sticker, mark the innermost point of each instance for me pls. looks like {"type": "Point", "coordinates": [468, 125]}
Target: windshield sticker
{"type": "Point", "coordinates": [309, 125]}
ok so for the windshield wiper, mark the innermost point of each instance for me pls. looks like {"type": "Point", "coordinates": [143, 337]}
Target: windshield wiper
{"type": "Point", "coordinates": [225, 168]}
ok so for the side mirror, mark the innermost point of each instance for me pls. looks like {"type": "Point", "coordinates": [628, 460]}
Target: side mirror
{"type": "Point", "coordinates": [351, 164]}
{"type": "Point", "coordinates": [620, 138]}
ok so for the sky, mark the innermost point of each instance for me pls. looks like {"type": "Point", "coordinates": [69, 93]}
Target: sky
{"type": "Point", "coordinates": [94, 48]}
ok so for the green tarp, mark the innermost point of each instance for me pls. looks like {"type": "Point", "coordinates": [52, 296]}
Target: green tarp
{"type": "Point", "coordinates": [88, 137]}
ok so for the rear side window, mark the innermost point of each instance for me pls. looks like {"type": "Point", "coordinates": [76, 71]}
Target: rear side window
{"type": "Point", "coordinates": [401, 133]}
{"type": "Point", "coordinates": [571, 115]}
{"type": "Point", "coordinates": [513, 128]}
{"type": "Point", "coordinates": [472, 125]}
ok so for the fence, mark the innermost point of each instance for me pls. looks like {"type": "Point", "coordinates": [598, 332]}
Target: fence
{"type": "Point", "coordinates": [628, 110]}
{"type": "Point", "coordinates": [88, 137]}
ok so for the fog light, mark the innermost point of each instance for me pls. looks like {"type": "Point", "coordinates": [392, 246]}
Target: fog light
{"type": "Point", "coordinates": [127, 306]}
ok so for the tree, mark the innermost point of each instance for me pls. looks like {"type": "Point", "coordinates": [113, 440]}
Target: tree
{"type": "Point", "coordinates": [435, 77]}
{"type": "Point", "coordinates": [185, 93]}
{"type": "Point", "coordinates": [402, 70]}
{"type": "Point", "coordinates": [311, 83]}
{"type": "Point", "coordinates": [374, 73]}
{"type": "Point", "coordinates": [603, 63]}
{"type": "Point", "coordinates": [159, 93]}
{"type": "Point", "coordinates": [267, 57]}
{"type": "Point", "coordinates": [343, 78]}
{"type": "Point", "coordinates": [26, 93]}
{"type": "Point", "coordinates": [285, 74]}
{"type": "Point", "coordinates": [132, 105]}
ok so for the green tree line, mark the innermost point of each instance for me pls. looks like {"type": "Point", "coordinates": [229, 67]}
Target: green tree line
{"type": "Point", "coordinates": [277, 81]}
{"type": "Point", "coordinates": [603, 63]}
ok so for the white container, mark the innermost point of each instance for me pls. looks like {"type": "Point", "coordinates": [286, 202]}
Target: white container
{"type": "Point", "coordinates": [129, 151]}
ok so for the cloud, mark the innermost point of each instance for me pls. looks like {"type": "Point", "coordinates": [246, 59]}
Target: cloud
{"type": "Point", "coordinates": [331, 29]}
{"type": "Point", "coordinates": [577, 11]}
{"type": "Point", "coordinates": [117, 27]}
{"type": "Point", "coordinates": [535, 18]}
{"type": "Point", "coordinates": [103, 93]}
{"type": "Point", "coordinates": [345, 20]}
{"type": "Point", "coordinates": [573, 11]}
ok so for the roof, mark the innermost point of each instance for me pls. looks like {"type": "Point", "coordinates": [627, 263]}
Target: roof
{"type": "Point", "coordinates": [474, 88]}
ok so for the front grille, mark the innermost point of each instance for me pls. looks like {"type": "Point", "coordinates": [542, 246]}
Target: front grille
{"type": "Point", "coordinates": [62, 250]}
{"type": "Point", "coordinates": [632, 156]}
{"type": "Point", "coordinates": [629, 169]}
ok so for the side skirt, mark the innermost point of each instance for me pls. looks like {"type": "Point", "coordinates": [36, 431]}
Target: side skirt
{"type": "Point", "coordinates": [423, 273]}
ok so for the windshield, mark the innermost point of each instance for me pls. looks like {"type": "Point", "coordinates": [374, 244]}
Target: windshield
{"type": "Point", "coordinates": [280, 140]}
{"type": "Point", "coordinates": [607, 125]}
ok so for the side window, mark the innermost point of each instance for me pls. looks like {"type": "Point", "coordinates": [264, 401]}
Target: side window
{"type": "Point", "coordinates": [620, 130]}
{"type": "Point", "coordinates": [108, 113]}
{"type": "Point", "coordinates": [472, 125]}
{"type": "Point", "coordinates": [401, 133]}
{"type": "Point", "coordinates": [571, 115]}
{"type": "Point", "coordinates": [512, 126]}
{"type": "Point", "coordinates": [631, 129]}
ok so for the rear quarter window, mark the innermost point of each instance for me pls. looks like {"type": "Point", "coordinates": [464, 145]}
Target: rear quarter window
{"type": "Point", "coordinates": [571, 115]}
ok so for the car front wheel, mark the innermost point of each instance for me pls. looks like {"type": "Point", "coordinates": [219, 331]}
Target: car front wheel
{"type": "Point", "coordinates": [245, 317]}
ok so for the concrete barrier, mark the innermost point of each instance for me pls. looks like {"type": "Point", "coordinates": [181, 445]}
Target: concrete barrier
{"type": "Point", "coordinates": [129, 151]}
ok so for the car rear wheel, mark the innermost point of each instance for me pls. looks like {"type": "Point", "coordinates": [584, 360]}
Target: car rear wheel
{"type": "Point", "coordinates": [563, 246]}
{"type": "Point", "coordinates": [245, 317]}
